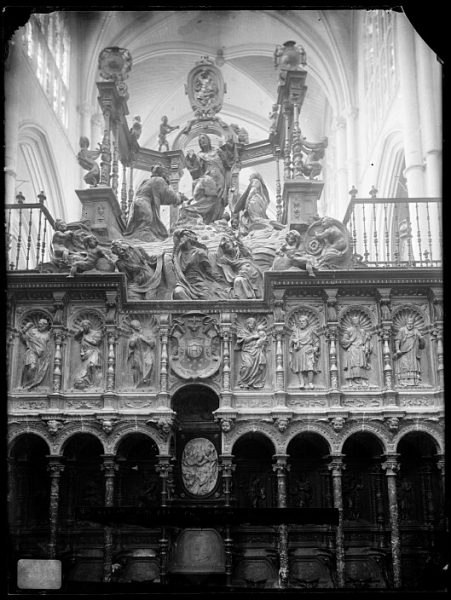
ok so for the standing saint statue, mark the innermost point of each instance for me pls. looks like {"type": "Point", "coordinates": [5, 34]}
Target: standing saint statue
{"type": "Point", "coordinates": [89, 373]}
{"type": "Point", "coordinates": [253, 342]}
{"type": "Point", "coordinates": [144, 222]}
{"type": "Point", "coordinates": [37, 355]}
{"type": "Point", "coordinates": [304, 351]}
{"type": "Point", "coordinates": [140, 356]}
{"type": "Point", "coordinates": [357, 342]}
{"type": "Point", "coordinates": [409, 343]}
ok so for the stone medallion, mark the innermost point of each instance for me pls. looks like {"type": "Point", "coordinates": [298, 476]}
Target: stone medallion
{"type": "Point", "coordinates": [199, 467]}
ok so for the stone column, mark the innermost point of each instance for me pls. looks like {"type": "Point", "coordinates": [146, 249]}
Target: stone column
{"type": "Point", "coordinates": [227, 467]}
{"type": "Point", "coordinates": [352, 144]}
{"type": "Point", "coordinates": [341, 159]}
{"type": "Point", "coordinates": [59, 336]}
{"type": "Point", "coordinates": [391, 467]}
{"type": "Point", "coordinates": [55, 468]}
{"type": "Point", "coordinates": [410, 112]}
{"type": "Point", "coordinates": [109, 468]}
{"type": "Point", "coordinates": [281, 467]}
{"type": "Point", "coordinates": [12, 93]}
{"type": "Point", "coordinates": [336, 467]}
{"type": "Point", "coordinates": [163, 468]}
{"type": "Point", "coordinates": [111, 360]}
{"type": "Point", "coordinates": [279, 329]}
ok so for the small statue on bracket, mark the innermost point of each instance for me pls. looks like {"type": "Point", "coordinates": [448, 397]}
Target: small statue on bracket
{"type": "Point", "coordinates": [165, 128]}
{"type": "Point", "coordinates": [136, 128]}
{"type": "Point", "coordinates": [87, 160]}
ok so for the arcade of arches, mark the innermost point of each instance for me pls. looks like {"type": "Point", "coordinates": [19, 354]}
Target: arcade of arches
{"type": "Point", "coordinates": [223, 240]}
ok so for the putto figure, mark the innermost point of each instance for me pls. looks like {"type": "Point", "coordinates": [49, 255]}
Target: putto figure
{"type": "Point", "coordinates": [304, 351]}
{"type": "Point", "coordinates": [144, 222]}
{"type": "Point", "coordinates": [87, 161]}
{"type": "Point", "coordinates": [140, 356]}
{"type": "Point", "coordinates": [165, 128]}
{"type": "Point", "coordinates": [357, 342]}
{"type": "Point", "coordinates": [409, 343]}
{"type": "Point", "coordinates": [252, 341]}
{"type": "Point", "coordinates": [292, 256]}
{"type": "Point", "coordinates": [37, 356]}
{"type": "Point", "coordinates": [89, 374]}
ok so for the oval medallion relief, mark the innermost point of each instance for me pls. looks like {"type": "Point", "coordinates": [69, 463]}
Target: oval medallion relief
{"type": "Point", "coordinates": [199, 466]}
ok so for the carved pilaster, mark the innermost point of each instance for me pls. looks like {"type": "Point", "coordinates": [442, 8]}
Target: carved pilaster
{"type": "Point", "coordinates": [109, 468]}
{"type": "Point", "coordinates": [278, 186]}
{"type": "Point", "coordinates": [287, 145]}
{"type": "Point", "coordinates": [297, 147]}
{"type": "Point", "coordinates": [391, 467]}
{"type": "Point", "coordinates": [331, 336]}
{"type": "Point", "coordinates": [226, 337]}
{"type": "Point", "coordinates": [336, 467]}
{"type": "Point", "coordinates": [281, 468]}
{"type": "Point", "coordinates": [59, 335]}
{"type": "Point", "coordinates": [385, 333]}
{"type": "Point", "coordinates": [111, 360]}
{"type": "Point", "coordinates": [55, 467]}
{"type": "Point", "coordinates": [280, 368]}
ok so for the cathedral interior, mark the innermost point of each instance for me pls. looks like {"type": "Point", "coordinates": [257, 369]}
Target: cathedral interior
{"type": "Point", "coordinates": [224, 276]}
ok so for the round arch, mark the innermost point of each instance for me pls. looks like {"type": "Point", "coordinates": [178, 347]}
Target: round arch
{"type": "Point", "coordinates": [242, 429]}
{"type": "Point", "coordinates": [68, 434]}
{"type": "Point", "coordinates": [435, 436]}
{"type": "Point", "coordinates": [378, 432]}
{"type": "Point", "coordinates": [21, 436]}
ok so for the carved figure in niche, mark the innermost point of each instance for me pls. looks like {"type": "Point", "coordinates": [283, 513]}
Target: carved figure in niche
{"type": "Point", "coordinates": [90, 339]}
{"type": "Point", "coordinates": [252, 341]}
{"type": "Point", "coordinates": [136, 128]}
{"type": "Point", "coordinates": [87, 161]}
{"type": "Point", "coordinates": [143, 272]}
{"type": "Point", "coordinates": [257, 493]}
{"type": "Point", "coordinates": [353, 498]}
{"type": "Point", "coordinates": [194, 346]}
{"type": "Point", "coordinates": [292, 256]}
{"type": "Point", "coordinates": [328, 241]}
{"type": "Point", "coordinates": [140, 356]}
{"type": "Point", "coordinates": [235, 261]}
{"type": "Point", "coordinates": [356, 340]}
{"type": "Point", "coordinates": [253, 205]}
{"type": "Point", "coordinates": [36, 337]}
{"type": "Point", "coordinates": [216, 162]}
{"type": "Point", "coordinates": [195, 277]}
{"type": "Point", "coordinates": [88, 260]}
{"type": "Point", "coordinates": [409, 343]}
{"type": "Point", "coordinates": [304, 351]}
{"type": "Point", "coordinates": [144, 221]}
{"type": "Point", "coordinates": [165, 128]}
{"type": "Point", "coordinates": [199, 466]}
{"type": "Point", "coordinates": [406, 500]}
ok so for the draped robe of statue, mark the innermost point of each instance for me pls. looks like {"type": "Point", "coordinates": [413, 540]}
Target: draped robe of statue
{"type": "Point", "coordinates": [356, 342]}
{"type": "Point", "coordinates": [37, 356]}
{"type": "Point", "coordinates": [89, 373]}
{"type": "Point", "coordinates": [140, 358]}
{"type": "Point", "coordinates": [410, 343]}
{"type": "Point", "coordinates": [253, 359]}
{"type": "Point", "coordinates": [304, 346]}
{"type": "Point", "coordinates": [144, 222]}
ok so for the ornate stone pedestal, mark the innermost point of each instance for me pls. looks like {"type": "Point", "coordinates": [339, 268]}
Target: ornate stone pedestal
{"type": "Point", "coordinates": [101, 207]}
{"type": "Point", "coordinates": [300, 202]}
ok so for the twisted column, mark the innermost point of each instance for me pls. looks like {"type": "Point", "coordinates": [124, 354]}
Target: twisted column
{"type": "Point", "coordinates": [391, 468]}
{"type": "Point", "coordinates": [336, 467]}
{"type": "Point", "coordinates": [109, 468]}
{"type": "Point", "coordinates": [280, 468]}
{"type": "Point", "coordinates": [55, 468]}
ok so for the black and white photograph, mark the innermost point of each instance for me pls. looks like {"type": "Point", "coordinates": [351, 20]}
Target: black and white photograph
{"type": "Point", "coordinates": [224, 302]}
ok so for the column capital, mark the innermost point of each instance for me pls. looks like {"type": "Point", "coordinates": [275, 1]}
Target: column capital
{"type": "Point", "coordinates": [391, 464]}
{"type": "Point", "coordinates": [163, 465]}
{"type": "Point", "coordinates": [55, 464]}
{"type": "Point", "coordinates": [441, 463]}
{"type": "Point", "coordinates": [281, 463]}
{"type": "Point", "coordinates": [226, 465]}
{"type": "Point", "coordinates": [336, 464]}
{"type": "Point", "coordinates": [109, 465]}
